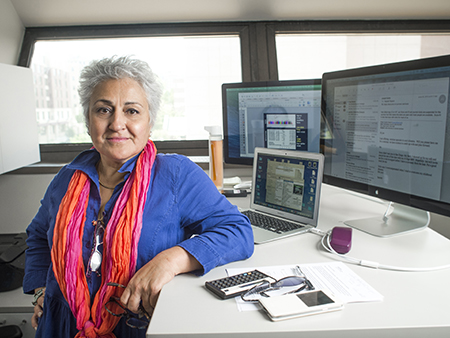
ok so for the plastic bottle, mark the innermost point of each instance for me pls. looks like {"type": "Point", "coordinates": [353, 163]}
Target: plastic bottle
{"type": "Point", "coordinates": [215, 155]}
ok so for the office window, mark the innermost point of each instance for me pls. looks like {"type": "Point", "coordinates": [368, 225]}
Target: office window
{"type": "Point", "coordinates": [305, 56]}
{"type": "Point", "coordinates": [241, 51]}
{"type": "Point", "coordinates": [192, 70]}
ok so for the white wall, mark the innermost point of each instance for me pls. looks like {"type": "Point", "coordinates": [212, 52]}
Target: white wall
{"type": "Point", "coordinates": [441, 224]}
{"type": "Point", "coordinates": [20, 197]}
{"type": "Point", "coordinates": [11, 33]}
{"type": "Point", "coordinates": [19, 194]}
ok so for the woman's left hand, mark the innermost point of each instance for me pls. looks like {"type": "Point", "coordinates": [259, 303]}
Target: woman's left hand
{"type": "Point", "coordinates": [147, 283]}
{"type": "Point", "coordinates": [38, 309]}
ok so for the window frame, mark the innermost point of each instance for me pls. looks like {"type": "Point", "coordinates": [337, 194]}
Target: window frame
{"type": "Point", "coordinates": [258, 55]}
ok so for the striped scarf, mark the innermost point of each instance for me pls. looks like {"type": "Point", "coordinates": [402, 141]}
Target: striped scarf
{"type": "Point", "coordinates": [120, 246]}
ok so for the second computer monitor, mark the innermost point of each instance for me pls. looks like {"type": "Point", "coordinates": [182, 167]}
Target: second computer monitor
{"type": "Point", "coordinates": [271, 114]}
{"type": "Point", "coordinates": [390, 127]}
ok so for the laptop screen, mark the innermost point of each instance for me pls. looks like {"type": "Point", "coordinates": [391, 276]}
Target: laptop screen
{"type": "Point", "coordinates": [287, 183]}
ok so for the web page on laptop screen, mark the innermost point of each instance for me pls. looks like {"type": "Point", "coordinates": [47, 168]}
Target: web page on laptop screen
{"type": "Point", "coordinates": [286, 184]}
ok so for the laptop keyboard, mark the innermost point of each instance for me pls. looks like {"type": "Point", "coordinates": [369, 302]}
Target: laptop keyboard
{"type": "Point", "coordinates": [271, 223]}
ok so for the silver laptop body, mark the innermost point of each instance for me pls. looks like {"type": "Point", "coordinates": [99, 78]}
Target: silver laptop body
{"type": "Point", "coordinates": [286, 185]}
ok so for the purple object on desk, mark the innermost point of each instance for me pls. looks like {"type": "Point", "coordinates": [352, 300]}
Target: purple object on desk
{"type": "Point", "coordinates": [341, 239]}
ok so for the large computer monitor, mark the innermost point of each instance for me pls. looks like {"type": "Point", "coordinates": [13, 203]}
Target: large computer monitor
{"type": "Point", "coordinates": [271, 114]}
{"type": "Point", "coordinates": [391, 139]}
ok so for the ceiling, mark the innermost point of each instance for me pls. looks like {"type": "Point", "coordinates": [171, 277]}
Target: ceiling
{"type": "Point", "coordinates": [35, 13]}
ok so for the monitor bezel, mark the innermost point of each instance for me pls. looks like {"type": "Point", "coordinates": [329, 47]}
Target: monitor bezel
{"type": "Point", "coordinates": [439, 207]}
{"type": "Point", "coordinates": [245, 85]}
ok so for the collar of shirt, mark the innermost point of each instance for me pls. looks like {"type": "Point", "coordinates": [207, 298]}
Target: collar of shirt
{"type": "Point", "coordinates": [87, 160]}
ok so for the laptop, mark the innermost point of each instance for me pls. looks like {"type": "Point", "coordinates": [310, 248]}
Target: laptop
{"type": "Point", "coordinates": [286, 187]}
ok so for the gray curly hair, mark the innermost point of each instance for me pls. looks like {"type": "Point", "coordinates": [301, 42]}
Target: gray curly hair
{"type": "Point", "coordinates": [116, 68]}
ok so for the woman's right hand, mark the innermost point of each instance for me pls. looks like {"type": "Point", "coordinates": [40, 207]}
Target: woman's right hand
{"type": "Point", "coordinates": [38, 310]}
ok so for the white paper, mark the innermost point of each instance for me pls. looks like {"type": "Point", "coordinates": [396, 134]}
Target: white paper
{"type": "Point", "coordinates": [335, 277]}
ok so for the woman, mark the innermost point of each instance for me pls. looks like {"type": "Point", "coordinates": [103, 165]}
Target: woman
{"type": "Point", "coordinates": [121, 214]}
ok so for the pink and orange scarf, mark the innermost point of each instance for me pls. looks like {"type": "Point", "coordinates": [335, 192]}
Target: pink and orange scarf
{"type": "Point", "coordinates": [120, 246]}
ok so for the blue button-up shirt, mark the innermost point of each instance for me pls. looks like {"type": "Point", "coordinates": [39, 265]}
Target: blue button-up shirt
{"type": "Point", "coordinates": [182, 202]}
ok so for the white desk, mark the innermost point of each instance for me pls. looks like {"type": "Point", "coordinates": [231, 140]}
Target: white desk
{"type": "Point", "coordinates": [414, 305]}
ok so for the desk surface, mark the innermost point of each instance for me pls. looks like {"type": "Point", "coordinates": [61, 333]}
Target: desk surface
{"type": "Point", "coordinates": [415, 303]}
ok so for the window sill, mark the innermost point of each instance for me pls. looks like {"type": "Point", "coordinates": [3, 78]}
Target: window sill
{"type": "Point", "coordinates": [203, 161]}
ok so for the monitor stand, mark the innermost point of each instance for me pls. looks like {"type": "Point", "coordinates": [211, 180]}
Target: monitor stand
{"type": "Point", "coordinates": [403, 219]}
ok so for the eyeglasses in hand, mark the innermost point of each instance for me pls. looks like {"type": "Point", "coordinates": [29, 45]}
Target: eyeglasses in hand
{"type": "Point", "coordinates": [138, 320]}
{"type": "Point", "coordinates": [284, 286]}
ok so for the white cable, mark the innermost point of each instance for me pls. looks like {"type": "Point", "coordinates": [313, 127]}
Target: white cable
{"type": "Point", "coordinates": [375, 265]}
{"type": "Point", "coordinates": [318, 232]}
